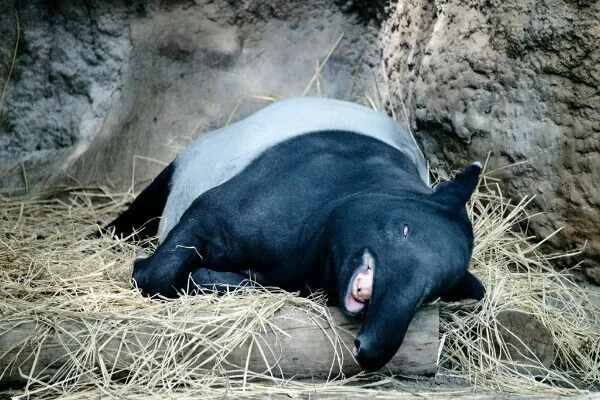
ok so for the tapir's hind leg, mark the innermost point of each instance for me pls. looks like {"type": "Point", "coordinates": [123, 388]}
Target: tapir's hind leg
{"type": "Point", "coordinates": [143, 215]}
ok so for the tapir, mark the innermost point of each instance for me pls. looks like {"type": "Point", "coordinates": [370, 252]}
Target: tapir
{"type": "Point", "coordinates": [309, 194]}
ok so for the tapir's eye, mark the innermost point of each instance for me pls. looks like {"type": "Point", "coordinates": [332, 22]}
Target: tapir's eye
{"type": "Point", "coordinates": [405, 230]}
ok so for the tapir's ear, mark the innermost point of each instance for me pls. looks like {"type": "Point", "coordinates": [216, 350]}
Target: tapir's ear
{"type": "Point", "coordinates": [459, 190]}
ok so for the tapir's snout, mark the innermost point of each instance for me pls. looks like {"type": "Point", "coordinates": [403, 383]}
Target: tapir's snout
{"type": "Point", "coordinates": [370, 355]}
{"type": "Point", "coordinates": [383, 330]}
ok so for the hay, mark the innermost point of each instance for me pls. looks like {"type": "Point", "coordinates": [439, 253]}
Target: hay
{"type": "Point", "coordinates": [55, 271]}
{"type": "Point", "coordinates": [519, 277]}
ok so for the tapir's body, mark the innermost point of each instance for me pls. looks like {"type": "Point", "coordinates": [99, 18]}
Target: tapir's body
{"type": "Point", "coordinates": [220, 155]}
{"type": "Point", "coordinates": [312, 194]}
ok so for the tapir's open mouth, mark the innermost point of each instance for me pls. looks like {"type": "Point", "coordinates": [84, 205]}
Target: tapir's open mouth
{"type": "Point", "coordinates": [360, 287]}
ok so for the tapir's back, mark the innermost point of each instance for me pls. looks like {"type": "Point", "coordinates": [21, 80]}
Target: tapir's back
{"type": "Point", "coordinates": [218, 156]}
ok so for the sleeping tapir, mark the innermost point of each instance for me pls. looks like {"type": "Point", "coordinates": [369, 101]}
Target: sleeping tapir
{"type": "Point", "coordinates": [306, 194]}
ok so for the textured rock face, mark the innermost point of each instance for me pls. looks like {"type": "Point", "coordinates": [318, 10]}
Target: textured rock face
{"type": "Point", "coordinates": [517, 79]}
{"type": "Point", "coordinates": [97, 83]}
{"type": "Point", "coordinates": [70, 62]}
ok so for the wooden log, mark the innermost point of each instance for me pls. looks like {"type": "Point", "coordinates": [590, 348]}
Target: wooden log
{"type": "Point", "coordinates": [308, 349]}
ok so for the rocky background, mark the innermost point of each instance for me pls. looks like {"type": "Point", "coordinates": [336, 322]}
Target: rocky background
{"type": "Point", "coordinates": [93, 92]}
{"type": "Point", "coordinates": [516, 79]}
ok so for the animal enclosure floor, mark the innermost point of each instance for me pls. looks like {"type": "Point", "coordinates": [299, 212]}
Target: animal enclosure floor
{"type": "Point", "coordinates": [56, 270]}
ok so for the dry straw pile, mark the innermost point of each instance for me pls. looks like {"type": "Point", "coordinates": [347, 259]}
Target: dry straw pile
{"type": "Point", "coordinates": [57, 276]}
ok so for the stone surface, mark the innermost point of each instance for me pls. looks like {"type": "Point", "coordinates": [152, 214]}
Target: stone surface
{"type": "Point", "coordinates": [525, 339]}
{"type": "Point", "coordinates": [519, 80]}
{"type": "Point", "coordinates": [99, 83]}
{"type": "Point", "coordinates": [100, 89]}
{"type": "Point", "coordinates": [70, 62]}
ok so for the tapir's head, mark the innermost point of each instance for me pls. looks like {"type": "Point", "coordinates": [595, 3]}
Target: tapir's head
{"type": "Point", "coordinates": [388, 255]}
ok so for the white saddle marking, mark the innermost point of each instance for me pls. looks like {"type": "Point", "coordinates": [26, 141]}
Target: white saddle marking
{"type": "Point", "coordinates": [219, 155]}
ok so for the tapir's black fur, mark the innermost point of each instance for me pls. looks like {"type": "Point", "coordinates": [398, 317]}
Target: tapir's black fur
{"type": "Point", "coordinates": [300, 217]}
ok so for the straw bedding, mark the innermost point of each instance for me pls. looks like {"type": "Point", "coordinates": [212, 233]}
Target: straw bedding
{"type": "Point", "coordinates": [55, 271]}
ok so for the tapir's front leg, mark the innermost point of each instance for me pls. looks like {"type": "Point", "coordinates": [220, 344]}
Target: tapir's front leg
{"type": "Point", "coordinates": [193, 242]}
{"type": "Point", "coordinates": [165, 272]}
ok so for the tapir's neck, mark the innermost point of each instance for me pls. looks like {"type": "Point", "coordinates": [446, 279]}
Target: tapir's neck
{"type": "Point", "coordinates": [314, 258]}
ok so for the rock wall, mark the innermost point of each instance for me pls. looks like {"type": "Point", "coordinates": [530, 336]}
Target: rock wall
{"type": "Point", "coordinates": [71, 60]}
{"type": "Point", "coordinates": [519, 80]}
{"type": "Point", "coordinates": [97, 85]}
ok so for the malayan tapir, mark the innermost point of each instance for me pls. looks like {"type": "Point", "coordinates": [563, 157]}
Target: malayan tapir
{"type": "Point", "coordinates": [309, 194]}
